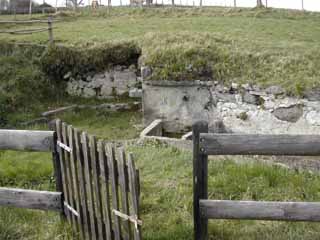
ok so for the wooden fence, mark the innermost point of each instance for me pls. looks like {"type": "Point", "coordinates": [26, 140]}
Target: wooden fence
{"type": "Point", "coordinates": [97, 183]}
{"type": "Point", "coordinates": [205, 144]}
{"type": "Point", "coordinates": [48, 29]}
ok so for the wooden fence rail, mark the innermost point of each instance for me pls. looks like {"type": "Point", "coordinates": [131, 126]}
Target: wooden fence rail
{"type": "Point", "coordinates": [205, 144]}
{"type": "Point", "coordinates": [97, 183]}
{"type": "Point", "coordinates": [50, 22]}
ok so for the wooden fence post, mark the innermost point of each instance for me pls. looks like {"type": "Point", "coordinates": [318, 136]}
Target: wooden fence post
{"type": "Point", "coordinates": [200, 181]}
{"type": "Point", "coordinates": [50, 30]}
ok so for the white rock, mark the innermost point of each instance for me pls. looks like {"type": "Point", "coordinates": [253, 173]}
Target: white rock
{"type": "Point", "coordinates": [246, 86]}
{"type": "Point", "coordinates": [313, 118]}
{"type": "Point", "coordinates": [88, 92]}
{"type": "Point", "coordinates": [135, 93]}
{"type": "Point", "coordinates": [106, 90]}
{"type": "Point", "coordinates": [238, 98]}
{"type": "Point", "coordinates": [234, 85]}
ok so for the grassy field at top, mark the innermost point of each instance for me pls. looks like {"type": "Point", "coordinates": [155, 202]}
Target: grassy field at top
{"type": "Point", "coordinates": [250, 29]}
{"type": "Point", "coordinates": [263, 46]}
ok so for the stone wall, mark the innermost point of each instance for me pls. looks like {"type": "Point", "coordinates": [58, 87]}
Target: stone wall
{"type": "Point", "coordinates": [241, 109]}
{"type": "Point", "coordinates": [114, 82]}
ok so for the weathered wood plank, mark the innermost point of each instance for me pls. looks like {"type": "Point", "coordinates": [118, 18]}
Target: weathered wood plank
{"type": "Point", "coordinates": [123, 180]}
{"type": "Point", "coordinates": [69, 185]}
{"type": "Point", "coordinates": [26, 140]}
{"type": "Point", "coordinates": [89, 188]}
{"type": "Point", "coordinates": [21, 198]}
{"type": "Point", "coordinates": [82, 187]}
{"type": "Point", "coordinates": [105, 195]}
{"type": "Point", "coordinates": [252, 210]}
{"type": "Point", "coordinates": [58, 110]}
{"type": "Point", "coordinates": [63, 168]}
{"type": "Point", "coordinates": [55, 158]}
{"type": "Point", "coordinates": [112, 165]}
{"type": "Point", "coordinates": [96, 185]}
{"type": "Point", "coordinates": [75, 183]}
{"type": "Point", "coordinates": [200, 181]}
{"type": "Point", "coordinates": [242, 144]}
{"type": "Point", "coordinates": [133, 183]}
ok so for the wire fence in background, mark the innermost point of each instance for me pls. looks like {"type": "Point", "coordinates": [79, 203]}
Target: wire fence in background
{"type": "Point", "coordinates": [51, 6]}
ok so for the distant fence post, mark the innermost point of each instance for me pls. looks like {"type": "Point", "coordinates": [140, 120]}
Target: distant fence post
{"type": "Point", "coordinates": [50, 30]}
{"type": "Point", "coordinates": [200, 181]}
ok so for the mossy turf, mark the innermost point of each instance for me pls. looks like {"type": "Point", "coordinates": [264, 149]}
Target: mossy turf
{"type": "Point", "coordinates": [259, 46]}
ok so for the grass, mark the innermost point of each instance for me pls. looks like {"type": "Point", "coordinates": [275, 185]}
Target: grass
{"type": "Point", "coordinates": [260, 46]}
{"type": "Point", "coordinates": [29, 171]}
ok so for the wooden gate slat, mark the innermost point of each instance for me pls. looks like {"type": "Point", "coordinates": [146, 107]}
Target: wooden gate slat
{"type": "Point", "coordinates": [56, 158]}
{"type": "Point", "coordinates": [63, 167]}
{"type": "Point", "coordinates": [69, 177]}
{"type": "Point", "coordinates": [114, 186]}
{"type": "Point", "coordinates": [74, 175]}
{"type": "Point", "coordinates": [82, 187]}
{"type": "Point", "coordinates": [123, 180]}
{"type": "Point", "coordinates": [89, 190]}
{"type": "Point", "coordinates": [105, 198]}
{"type": "Point", "coordinates": [96, 186]}
{"type": "Point", "coordinates": [133, 183]}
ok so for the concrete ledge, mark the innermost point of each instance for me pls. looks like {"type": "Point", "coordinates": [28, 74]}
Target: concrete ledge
{"type": "Point", "coordinates": [187, 136]}
{"type": "Point", "coordinates": [191, 83]}
{"type": "Point", "coordinates": [153, 129]}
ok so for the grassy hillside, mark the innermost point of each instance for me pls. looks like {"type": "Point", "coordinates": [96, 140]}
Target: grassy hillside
{"type": "Point", "coordinates": [262, 46]}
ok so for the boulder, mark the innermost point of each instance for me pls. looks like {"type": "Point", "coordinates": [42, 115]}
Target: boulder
{"type": "Point", "coordinates": [313, 95]}
{"type": "Point", "coordinates": [251, 98]}
{"type": "Point", "coordinates": [275, 90]}
{"type": "Point", "coordinates": [124, 80]}
{"type": "Point", "coordinates": [224, 97]}
{"type": "Point", "coordinates": [106, 90]}
{"type": "Point", "coordinates": [313, 117]}
{"type": "Point", "coordinates": [88, 92]}
{"type": "Point", "coordinates": [289, 114]}
{"type": "Point", "coordinates": [146, 72]}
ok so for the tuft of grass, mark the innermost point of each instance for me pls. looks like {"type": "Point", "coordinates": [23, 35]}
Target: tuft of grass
{"type": "Point", "coordinates": [23, 224]}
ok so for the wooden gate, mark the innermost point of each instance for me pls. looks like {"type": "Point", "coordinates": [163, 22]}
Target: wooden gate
{"type": "Point", "coordinates": [100, 186]}
{"type": "Point", "coordinates": [205, 144]}
{"type": "Point", "coordinates": [97, 184]}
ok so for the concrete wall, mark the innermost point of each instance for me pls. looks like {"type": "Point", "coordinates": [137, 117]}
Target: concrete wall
{"type": "Point", "coordinates": [245, 108]}
{"type": "Point", "coordinates": [177, 103]}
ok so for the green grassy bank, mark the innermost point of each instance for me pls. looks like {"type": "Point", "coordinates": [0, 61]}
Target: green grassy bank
{"type": "Point", "coordinates": [259, 46]}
